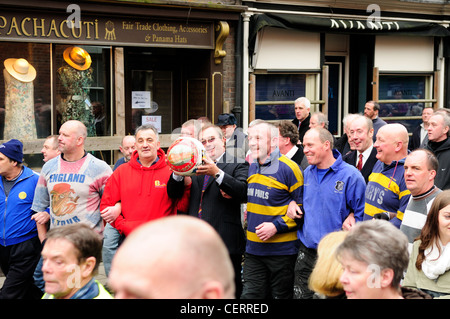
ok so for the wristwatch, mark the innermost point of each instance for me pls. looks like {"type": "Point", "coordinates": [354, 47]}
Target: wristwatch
{"type": "Point", "coordinates": [217, 175]}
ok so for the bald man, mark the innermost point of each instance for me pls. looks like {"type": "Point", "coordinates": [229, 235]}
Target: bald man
{"type": "Point", "coordinates": [162, 260]}
{"type": "Point", "coordinates": [386, 194]}
{"type": "Point", "coordinates": [73, 183]}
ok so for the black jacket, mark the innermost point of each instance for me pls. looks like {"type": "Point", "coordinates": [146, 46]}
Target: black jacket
{"type": "Point", "coordinates": [442, 152]}
{"type": "Point", "coordinates": [304, 126]}
{"type": "Point", "coordinates": [221, 213]}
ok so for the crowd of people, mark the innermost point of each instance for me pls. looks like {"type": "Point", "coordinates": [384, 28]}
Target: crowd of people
{"type": "Point", "coordinates": [284, 211]}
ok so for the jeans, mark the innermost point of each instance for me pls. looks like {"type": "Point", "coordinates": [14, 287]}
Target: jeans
{"type": "Point", "coordinates": [268, 277]}
{"type": "Point", "coordinates": [111, 238]}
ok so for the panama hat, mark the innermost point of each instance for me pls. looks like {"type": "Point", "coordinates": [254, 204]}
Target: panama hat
{"type": "Point", "coordinates": [77, 58]}
{"type": "Point", "coordinates": [20, 69]}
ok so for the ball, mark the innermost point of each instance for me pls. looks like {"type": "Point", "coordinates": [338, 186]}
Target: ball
{"type": "Point", "coordinates": [185, 155]}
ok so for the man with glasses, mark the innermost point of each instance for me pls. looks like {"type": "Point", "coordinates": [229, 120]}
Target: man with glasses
{"type": "Point", "coordinates": [217, 192]}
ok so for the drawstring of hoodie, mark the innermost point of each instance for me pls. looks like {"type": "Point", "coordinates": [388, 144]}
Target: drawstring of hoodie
{"type": "Point", "coordinates": [393, 174]}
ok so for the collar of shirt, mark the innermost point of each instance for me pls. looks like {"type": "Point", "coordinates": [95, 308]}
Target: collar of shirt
{"type": "Point", "coordinates": [292, 151]}
{"type": "Point", "coordinates": [365, 154]}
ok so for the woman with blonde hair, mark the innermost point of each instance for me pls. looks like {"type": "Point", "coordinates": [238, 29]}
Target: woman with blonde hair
{"type": "Point", "coordinates": [324, 279]}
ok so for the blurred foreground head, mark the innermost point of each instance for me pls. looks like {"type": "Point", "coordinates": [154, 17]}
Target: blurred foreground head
{"type": "Point", "coordinates": [178, 257]}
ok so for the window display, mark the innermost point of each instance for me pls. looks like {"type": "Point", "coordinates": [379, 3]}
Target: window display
{"type": "Point", "coordinates": [19, 99]}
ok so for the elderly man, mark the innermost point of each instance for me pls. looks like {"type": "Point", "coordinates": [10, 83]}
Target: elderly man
{"type": "Point", "coordinates": [333, 199]}
{"type": "Point", "coordinates": [419, 136]}
{"type": "Point", "coordinates": [439, 144]}
{"type": "Point", "coordinates": [71, 255]}
{"type": "Point", "coordinates": [364, 155]}
{"type": "Point", "coordinates": [302, 107]}
{"type": "Point", "coordinates": [140, 186]}
{"type": "Point", "coordinates": [217, 192]}
{"type": "Point", "coordinates": [236, 139]}
{"type": "Point", "coordinates": [50, 148]}
{"type": "Point", "coordinates": [386, 193]}
{"type": "Point", "coordinates": [371, 110]}
{"type": "Point", "coordinates": [420, 170]}
{"type": "Point", "coordinates": [127, 148]}
{"type": "Point", "coordinates": [275, 186]}
{"type": "Point", "coordinates": [162, 259]}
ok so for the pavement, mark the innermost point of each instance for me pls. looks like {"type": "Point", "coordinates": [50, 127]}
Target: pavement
{"type": "Point", "coordinates": [101, 276]}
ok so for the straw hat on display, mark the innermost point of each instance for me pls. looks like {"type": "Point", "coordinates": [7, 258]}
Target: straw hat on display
{"type": "Point", "coordinates": [20, 69]}
{"type": "Point", "coordinates": [77, 58]}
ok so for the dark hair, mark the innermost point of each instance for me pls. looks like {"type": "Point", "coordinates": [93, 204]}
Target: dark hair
{"type": "Point", "coordinates": [288, 129]}
{"type": "Point", "coordinates": [86, 241]}
{"type": "Point", "coordinates": [430, 231]}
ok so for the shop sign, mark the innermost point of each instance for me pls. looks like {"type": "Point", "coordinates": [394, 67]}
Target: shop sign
{"type": "Point", "coordinates": [38, 27]}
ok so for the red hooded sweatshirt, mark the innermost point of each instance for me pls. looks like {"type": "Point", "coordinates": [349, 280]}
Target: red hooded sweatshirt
{"type": "Point", "coordinates": [142, 192]}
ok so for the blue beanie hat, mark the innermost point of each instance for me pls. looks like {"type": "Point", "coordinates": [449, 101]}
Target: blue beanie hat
{"type": "Point", "coordinates": [13, 150]}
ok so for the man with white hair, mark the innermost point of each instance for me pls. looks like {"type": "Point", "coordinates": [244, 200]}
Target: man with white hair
{"type": "Point", "coordinates": [302, 116]}
{"type": "Point", "coordinates": [439, 144]}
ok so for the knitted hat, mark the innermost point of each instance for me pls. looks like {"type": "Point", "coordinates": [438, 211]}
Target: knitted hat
{"type": "Point", "coordinates": [13, 150]}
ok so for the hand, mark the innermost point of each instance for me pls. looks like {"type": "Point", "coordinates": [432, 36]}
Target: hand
{"type": "Point", "coordinates": [265, 230]}
{"type": "Point", "coordinates": [349, 222]}
{"type": "Point", "coordinates": [207, 168]}
{"type": "Point", "coordinates": [294, 210]}
{"type": "Point", "coordinates": [41, 217]}
{"type": "Point", "coordinates": [225, 195]}
{"type": "Point", "coordinates": [110, 213]}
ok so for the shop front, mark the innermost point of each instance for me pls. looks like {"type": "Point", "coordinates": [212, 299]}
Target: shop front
{"type": "Point", "coordinates": [117, 67]}
{"type": "Point", "coordinates": [341, 61]}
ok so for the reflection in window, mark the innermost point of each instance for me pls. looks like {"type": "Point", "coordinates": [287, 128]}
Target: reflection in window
{"type": "Point", "coordinates": [151, 99]}
{"type": "Point", "coordinates": [278, 87]}
{"type": "Point", "coordinates": [404, 87]}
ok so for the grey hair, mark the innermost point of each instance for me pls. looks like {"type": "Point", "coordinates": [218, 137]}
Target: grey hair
{"type": "Point", "coordinates": [377, 243]}
{"type": "Point", "coordinates": [147, 127]}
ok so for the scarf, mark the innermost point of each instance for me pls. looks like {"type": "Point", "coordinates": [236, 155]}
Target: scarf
{"type": "Point", "coordinates": [436, 264]}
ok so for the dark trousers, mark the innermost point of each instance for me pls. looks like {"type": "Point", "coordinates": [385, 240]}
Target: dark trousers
{"type": "Point", "coordinates": [268, 277]}
{"type": "Point", "coordinates": [304, 266]}
{"type": "Point", "coordinates": [236, 260]}
{"type": "Point", "coordinates": [18, 263]}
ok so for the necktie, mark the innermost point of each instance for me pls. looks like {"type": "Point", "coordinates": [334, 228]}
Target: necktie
{"type": "Point", "coordinates": [359, 167]}
{"type": "Point", "coordinates": [205, 182]}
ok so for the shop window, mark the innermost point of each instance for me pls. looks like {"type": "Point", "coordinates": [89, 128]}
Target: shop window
{"type": "Point", "coordinates": [25, 105]}
{"type": "Point", "coordinates": [412, 93]}
{"type": "Point", "coordinates": [271, 89]}
{"type": "Point", "coordinates": [151, 99]}
{"type": "Point", "coordinates": [32, 104]}
{"type": "Point", "coordinates": [83, 93]}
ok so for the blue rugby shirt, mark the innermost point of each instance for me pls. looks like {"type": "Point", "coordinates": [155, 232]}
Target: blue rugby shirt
{"type": "Point", "coordinates": [386, 191]}
{"type": "Point", "coordinates": [271, 187]}
{"type": "Point", "coordinates": [327, 203]}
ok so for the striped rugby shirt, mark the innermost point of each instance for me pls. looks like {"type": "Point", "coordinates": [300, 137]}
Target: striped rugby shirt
{"type": "Point", "coordinates": [271, 187]}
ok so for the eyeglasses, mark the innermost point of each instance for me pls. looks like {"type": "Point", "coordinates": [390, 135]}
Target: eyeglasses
{"type": "Point", "coordinates": [209, 140]}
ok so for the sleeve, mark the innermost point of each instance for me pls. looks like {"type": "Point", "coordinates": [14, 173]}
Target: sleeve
{"type": "Point", "coordinates": [41, 200]}
{"type": "Point", "coordinates": [356, 196]}
{"type": "Point", "coordinates": [111, 195]}
{"type": "Point", "coordinates": [410, 276]}
{"type": "Point", "coordinates": [404, 196]}
{"type": "Point", "coordinates": [236, 185]}
{"type": "Point", "coordinates": [175, 188]}
{"type": "Point", "coordinates": [295, 188]}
